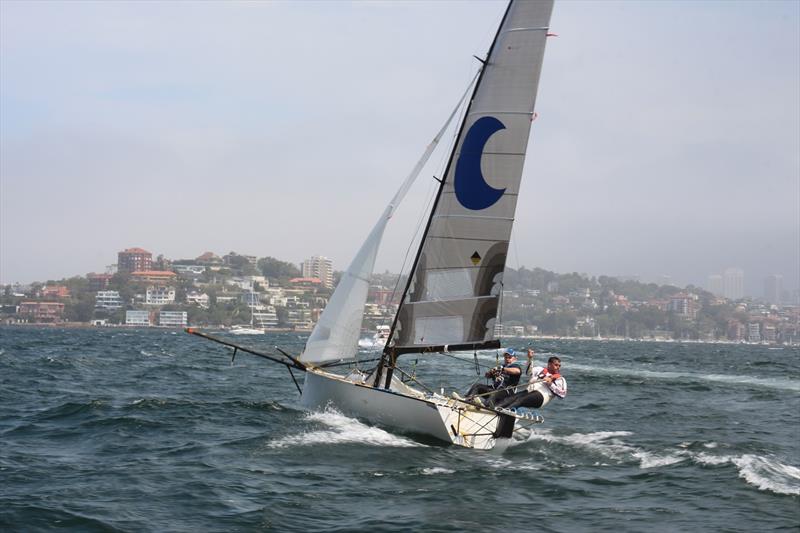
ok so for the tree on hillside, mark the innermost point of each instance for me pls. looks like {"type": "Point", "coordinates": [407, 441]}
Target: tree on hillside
{"type": "Point", "coordinates": [240, 264]}
{"type": "Point", "coordinates": [277, 269]}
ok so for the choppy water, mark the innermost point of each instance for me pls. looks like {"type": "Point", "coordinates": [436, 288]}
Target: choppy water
{"type": "Point", "coordinates": [152, 430]}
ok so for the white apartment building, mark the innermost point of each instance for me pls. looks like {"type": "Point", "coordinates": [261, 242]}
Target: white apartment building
{"type": "Point", "coordinates": [159, 295]}
{"type": "Point", "coordinates": [108, 300]}
{"type": "Point", "coordinates": [299, 318]}
{"type": "Point", "coordinates": [267, 318]}
{"type": "Point", "coordinates": [189, 270]}
{"type": "Point", "coordinates": [262, 281]}
{"type": "Point", "coordinates": [754, 332]}
{"type": "Point", "coordinates": [319, 267]}
{"type": "Point", "coordinates": [173, 319]}
{"type": "Point", "coordinates": [198, 298]}
{"type": "Point", "coordinates": [137, 318]}
{"type": "Point", "coordinates": [733, 283]}
{"type": "Point", "coordinates": [248, 283]}
{"type": "Point", "coordinates": [296, 302]}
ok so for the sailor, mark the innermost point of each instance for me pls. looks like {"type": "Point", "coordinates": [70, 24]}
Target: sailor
{"type": "Point", "coordinates": [545, 384]}
{"type": "Point", "coordinates": [503, 379]}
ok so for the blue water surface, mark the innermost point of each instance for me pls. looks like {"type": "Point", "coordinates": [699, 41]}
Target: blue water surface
{"type": "Point", "coordinates": [153, 430]}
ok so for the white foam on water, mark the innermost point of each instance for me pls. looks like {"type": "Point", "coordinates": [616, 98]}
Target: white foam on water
{"type": "Point", "coordinates": [150, 401]}
{"type": "Point", "coordinates": [764, 473]}
{"type": "Point", "coordinates": [342, 430]}
{"type": "Point", "coordinates": [501, 445]}
{"type": "Point", "coordinates": [609, 444]}
{"type": "Point", "coordinates": [653, 460]}
{"type": "Point", "coordinates": [436, 470]}
{"type": "Point", "coordinates": [708, 459]}
{"type": "Point", "coordinates": [768, 475]}
{"type": "Point", "coordinates": [152, 354]}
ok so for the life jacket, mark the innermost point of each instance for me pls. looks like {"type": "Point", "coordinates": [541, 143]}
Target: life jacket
{"type": "Point", "coordinates": [543, 388]}
{"type": "Point", "coordinates": [546, 372]}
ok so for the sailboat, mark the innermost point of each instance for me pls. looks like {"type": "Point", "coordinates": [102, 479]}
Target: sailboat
{"type": "Point", "coordinates": [252, 329]}
{"type": "Point", "coordinates": [378, 339]}
{"type": "Point", "coordinates": [452, 296]}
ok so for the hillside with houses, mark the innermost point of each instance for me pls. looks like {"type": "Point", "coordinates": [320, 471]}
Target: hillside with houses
{"type": "Point", "coordinates": [273, 295]}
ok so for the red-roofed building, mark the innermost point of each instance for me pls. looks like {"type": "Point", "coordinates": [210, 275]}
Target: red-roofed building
{"type": "Point", "coordinates": [157, 277]}
{"type": "Point", "coordinates": [305, 281]}
{"type": "Point", "coordinates": [55, 291]}
{"type": "Point", "coordinates": [41, 311]}
{"type": "Point", "coordinates": [622, 301]}
{"type": "Point", "coordinates": [134, 260]}
{"type": "Point", "coordinates": [736, 330]}
{"type": "Point", "coordinates": [98, 282]}
{"type": "Point", "coordinates": [209, 258]}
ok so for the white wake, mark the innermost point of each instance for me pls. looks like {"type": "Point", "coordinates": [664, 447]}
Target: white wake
{"type": "Point", "coordinates": [340, 429]}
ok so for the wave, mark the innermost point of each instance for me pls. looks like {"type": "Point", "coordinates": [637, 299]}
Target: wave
{"type": "Point", "coordinates": [341, 429]}
{"type": "Point", "coordinates": [68, 409]}
{"type": "Point", "coordinates": [436, 470]}
{"type": "Point", "coordinates": [766, 474]}
{"type": "Point", "coordinates": [773, 383]}
{"type": "Point", "coordinates": [609, 444]}
{"type": "Point", "coordinates": [154, 403]}
{"type": "Point", "coordinates": [160, 353]}
{"type": "Point", "coordinates": [55, 516]}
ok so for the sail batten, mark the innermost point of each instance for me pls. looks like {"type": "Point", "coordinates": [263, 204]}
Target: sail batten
{"type": "Point", "coordinates": [452, 298]}
{"type": "Point", "coordinates": [472, 217]}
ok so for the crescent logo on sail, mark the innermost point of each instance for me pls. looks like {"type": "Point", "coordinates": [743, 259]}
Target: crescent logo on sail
{"type": "Point", "coordinates": [471, 188]}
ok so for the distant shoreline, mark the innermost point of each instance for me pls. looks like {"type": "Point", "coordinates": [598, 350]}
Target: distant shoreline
{"type": "Point", "coordinates": [86, 325]}
{"type": "Point", "coordinates": [670, 341]}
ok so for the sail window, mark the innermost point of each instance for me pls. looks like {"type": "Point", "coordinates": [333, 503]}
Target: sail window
{"type": "Point", "coordinates": [437, 329]}
{"type": "Point", "coordinates": [449, 284]}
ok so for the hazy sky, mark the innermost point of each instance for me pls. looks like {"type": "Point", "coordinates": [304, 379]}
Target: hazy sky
{"type": "Point", "coordinates": [667, 142]}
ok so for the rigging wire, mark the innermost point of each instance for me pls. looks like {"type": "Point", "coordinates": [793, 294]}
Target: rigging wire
{"type": "Point", "coordinates": [433, 186]}
{"type": "Point", "coordinates": [467, 361]}
{"type": "Point", "coordinates": [444, 155]}
{"type": "Point", "coordinates": [431, 194]}
{"type": "Point", "coordinates": [432, 147]}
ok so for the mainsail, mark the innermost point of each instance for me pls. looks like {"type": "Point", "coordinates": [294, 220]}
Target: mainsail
{"type": "Point", "coordinates": [451, 299]}
{"type": "Point", "coordinates": [453, 293]}
{"type": "Point", "coordinates": [335, 337]}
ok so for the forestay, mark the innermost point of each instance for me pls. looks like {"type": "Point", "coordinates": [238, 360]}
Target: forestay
{"type": "Point", "coordinates": [452, 298]}
{"type": "Point", "coordinates": [335, 337]}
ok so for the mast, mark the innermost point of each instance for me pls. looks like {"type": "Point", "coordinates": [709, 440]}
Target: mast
{"type": "Point", "coordinates": [387, 349]}
{"type": "Point", "coordinates": [451, 297]}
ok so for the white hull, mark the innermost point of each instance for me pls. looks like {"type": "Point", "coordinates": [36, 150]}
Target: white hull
{"type": "Point", "coordinates": [246, 331]}
{"type": "Point", "coordinates": [446, 419]}
{"type": "Point", "coordinates": [378, 340]}
{"type": "Point", "coordinates": [371, 343]}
